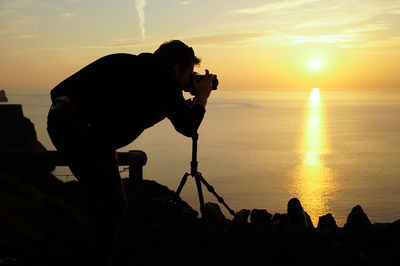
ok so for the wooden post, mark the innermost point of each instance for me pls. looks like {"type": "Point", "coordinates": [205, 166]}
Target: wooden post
{"type": "Point", "coordinates": [136, 192]}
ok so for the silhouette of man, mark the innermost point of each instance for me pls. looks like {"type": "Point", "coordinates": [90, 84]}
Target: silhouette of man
{"type": "Point", "coordinates": [108, 104]}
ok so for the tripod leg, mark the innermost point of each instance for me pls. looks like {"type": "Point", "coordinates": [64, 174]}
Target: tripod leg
{"type": "Point", "coordinates": [181, 184]}
{"type": "Point", "coordinates": [201, 199]}
{"type": "Point", "coordinates": [212, 190]}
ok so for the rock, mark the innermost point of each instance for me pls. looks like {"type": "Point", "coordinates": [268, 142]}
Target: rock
{"type": "Point", "coordinates": [394, 228]}
{"type": "Point", "coordinates": [279, 218]}
{"type": "Point", "coordinates": [327, 224]}
{"type": "Point", "coordinates": [216, 219]}
{"type": "Point", "coordinates": [8, 261]}
{"type": "Point", "coordinates": [158, 204]}
{"type": "Point", "coordinates": [260, 217]}
{"type": "Point", "coordinates": [17, 131]}
{"type": "Point", "coordinates": [3, 97]}
{"type": "Point", "coordinates": [298, 216]}
{"type": "Point", "coordinates": [392, 232]}
{"type": "Point", "coordinates": [357, 222]}
{"type": "Point", "coordinates": [240, 219]}
{"type": "Point", "coordinates": [279, 222]}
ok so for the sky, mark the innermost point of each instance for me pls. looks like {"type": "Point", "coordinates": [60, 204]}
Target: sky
{"type": "Point", "coordinates": [251, 44]}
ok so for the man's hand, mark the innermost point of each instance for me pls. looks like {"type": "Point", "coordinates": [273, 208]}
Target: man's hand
{"type": "Point", "coordinates": [203, 88]}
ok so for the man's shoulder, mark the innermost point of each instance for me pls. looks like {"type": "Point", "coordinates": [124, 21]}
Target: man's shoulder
{"type": "Point", "coordinates": [125, 57]}
{"type": "Point", "coordinates": [118, 56]}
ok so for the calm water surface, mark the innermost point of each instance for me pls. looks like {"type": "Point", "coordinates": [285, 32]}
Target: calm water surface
{"type": "Point", "coordinates": [333, 149]}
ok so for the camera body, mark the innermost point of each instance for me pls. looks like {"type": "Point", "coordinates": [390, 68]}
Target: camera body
{"type": "Point", "coordinates": [198, 77]}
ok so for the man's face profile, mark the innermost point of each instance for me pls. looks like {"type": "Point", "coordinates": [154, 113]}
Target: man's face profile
{"type": "Point", "coordinates": [183, 76]}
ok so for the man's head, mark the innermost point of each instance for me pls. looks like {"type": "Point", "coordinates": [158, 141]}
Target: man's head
{"type": "Point", "coordinates": [180, 58]}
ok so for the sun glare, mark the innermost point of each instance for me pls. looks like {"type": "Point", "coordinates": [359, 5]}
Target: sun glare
{"type": "Point", "coordinates": [316, 64]}
{"type": "Point", "coordinates": [313, 180]}
{"type": "Point", "coordinates": [315, 95]}
{"type": "Point", "coordinates": [315, 98]}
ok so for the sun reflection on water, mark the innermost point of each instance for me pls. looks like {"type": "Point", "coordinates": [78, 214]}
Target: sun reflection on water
{"type": "Point", "coordinates": [312, 180]}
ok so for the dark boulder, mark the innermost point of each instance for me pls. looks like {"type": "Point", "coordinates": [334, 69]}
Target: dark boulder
{"type": "Point", "coordinates": [260, 217]}
{"type": "Point", "coordinates": [17, 131]}
{"type": "Point", "coordinates": [392, 232]}
{"type": "Point", "coordinates": [240, 219]}
{"type": "Point", "coordinates": [279, 218]}
{"type": "Point", "coordinates": [279, 222]}
{"type": "Point", "coordinates": [216, 220]}
{"type": "Point", "coordinates": [297, 216]}
{"type": "Point", "coordinates": [357, 221]}
{"type": "Point", "coordinates": [158, 204]}
{"type": "Point", "coordinates": [327, 224]}
{"type": "Point", "coordinates": [394, 228]}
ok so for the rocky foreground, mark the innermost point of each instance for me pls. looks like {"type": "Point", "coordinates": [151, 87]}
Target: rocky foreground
{"type": "Point", "coordinates": [256, 237]}
{"type": "Point", "coordinates": [43, 222]}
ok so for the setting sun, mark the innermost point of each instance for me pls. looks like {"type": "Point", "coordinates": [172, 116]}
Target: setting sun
{"type": "Point", "coordinates": [316, 64]}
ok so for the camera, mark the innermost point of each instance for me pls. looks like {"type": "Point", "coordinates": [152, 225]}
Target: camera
{"type": "Point", "coordinates": [190, 88]}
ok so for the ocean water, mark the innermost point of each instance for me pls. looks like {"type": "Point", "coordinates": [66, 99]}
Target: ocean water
{"type": "Point", "coordinates": [333, 149]}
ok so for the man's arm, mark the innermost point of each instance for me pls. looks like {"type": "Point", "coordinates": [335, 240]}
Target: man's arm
{"type": "Point", "coordinates": [187, 119]}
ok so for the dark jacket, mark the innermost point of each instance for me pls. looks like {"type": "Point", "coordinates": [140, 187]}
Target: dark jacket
{"type": "Point", "coordinates": [120, 95]}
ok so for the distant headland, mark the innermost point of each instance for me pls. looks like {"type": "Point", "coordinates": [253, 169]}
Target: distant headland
{"type": "Point", "coordinates": [3, 97]}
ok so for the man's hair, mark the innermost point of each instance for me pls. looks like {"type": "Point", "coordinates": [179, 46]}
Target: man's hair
{"type": "Point", "coordinates": [175, 52]}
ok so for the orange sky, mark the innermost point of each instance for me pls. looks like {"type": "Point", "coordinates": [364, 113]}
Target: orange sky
{"type": "Point", "coordinates": [249, 44]}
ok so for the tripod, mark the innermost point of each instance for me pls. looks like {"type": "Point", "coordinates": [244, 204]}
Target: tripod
{"type": "Point", "coordinates": [199, 180]}
{"type": "Point", "coordinates": [175, 199]}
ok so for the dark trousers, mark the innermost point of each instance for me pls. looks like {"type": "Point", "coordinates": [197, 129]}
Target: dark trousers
{"type": "Point", "coordinates": [94, 164]}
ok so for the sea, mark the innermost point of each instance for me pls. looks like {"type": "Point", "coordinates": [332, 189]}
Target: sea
{"type": "Point", "coordinates": [333, 149]}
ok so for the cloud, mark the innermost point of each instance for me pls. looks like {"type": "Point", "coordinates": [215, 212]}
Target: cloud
{"type": "Point", "coordinates": [6, 12]}
{"type": "Point", "coordinates": [25, 4]}
{"type": "Point", "coordinates": [25, 36]}
{"type": "Point", "coordinates": [237, 38]}
{"type": "Point", "coordinates": [66, 48]}
{"type": "Point", "coordinates": [390, 43]}
{"type": "Point", "coordinates": [240, 38]}
{"type": "Point", "coordinates": [140, 5]}
{"type": "Point", "coordinates": [20, 16]}
{"type": "Point", "coordinates": [302, 14]}
{"type": "Point", "coordinates": [336, 39]}
{"type": "Point", "coordinates": [273, 6]}
{"type": "Point", "coordinates": [17, 4]}
{"type": "Point", "coordinates": [185, 3]}
{"type": "Point", "coordinates": [341, 16]}
{"type": "Point", "coordinates": [68, 14]}
{"type": "Point", "coordinates": [369, 27]}
{"type": "Point", "coordinates": [265, 38]}
{"type": "Point", "coordinates": [128, 42]}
